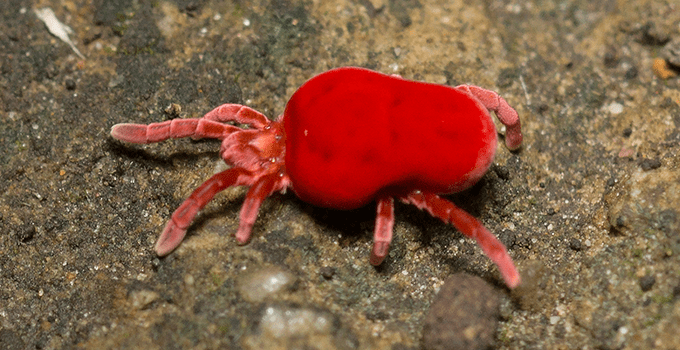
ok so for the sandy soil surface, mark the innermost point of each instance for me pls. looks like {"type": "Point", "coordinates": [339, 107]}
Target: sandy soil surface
{"type": "Point", "coordinates": [588, 207]}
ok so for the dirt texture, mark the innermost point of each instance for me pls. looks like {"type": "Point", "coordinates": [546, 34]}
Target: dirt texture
{"type": "Point", "coordinates": [588, 207]}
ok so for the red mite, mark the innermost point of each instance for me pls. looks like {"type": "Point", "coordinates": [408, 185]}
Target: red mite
{"type": "Point", "coordinates": [348, 137]}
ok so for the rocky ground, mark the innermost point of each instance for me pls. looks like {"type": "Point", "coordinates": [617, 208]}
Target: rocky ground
{"type": "Point", "coordinates": [588, 207]}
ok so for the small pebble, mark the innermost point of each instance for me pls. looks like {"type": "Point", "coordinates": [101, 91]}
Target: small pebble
{"type": "Point", "coordinates": [615, 108]}
{"type": "Point", "coordinates": [141, 299]}
{"type": "Point", "coordinates": [631, 73]}
{"type": "Point", "coordinates": [508, 238]}
{"type": "Point", "coordinates": [649, 164]}
{"type": "Point", "coordinates": [464, 315]}
{"type": "Point", "coordinates": [285, 321]}
{"type": "Point", "coordinates": [70, 84]}
{"type": "Point", "coordinates": [173, 110]}
{"type": "Point", "coordinates": [256, 286]}
{"type": "Point", "coordinates": [502, 172]}
{"type": "Point", "coordinates": [662, 69]}
{"type": "Point", "coordinates": [620, 221]}
{"type": "Point", "coordinates": [611, 59]}
{"type": "Point", "coordinates": [554, 319]}
{"type": "Point", "coordinates": [647, 282]}
{"type": "Point", "coordinates": [327, 272]}
{"type": "Point", "coordinates": [26, 233]}
{"type": "Point", "coordinates": [285, 326]}
{"type": "Point", "coordinates": [575, 244]}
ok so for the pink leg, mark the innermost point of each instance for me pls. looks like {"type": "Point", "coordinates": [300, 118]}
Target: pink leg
{"type": "Point", "coordinates": [506, 114]}
{"type": "Point", "coordinates": [382, 237]}
{"type": "Point", "coordinates": [265, 186]}
{"type": "Point", "coordinates": [182, 217]}
{"type": "Point", "coordinates": [176, 128]}
{"type": "Point", "coordinates": [471, 227]}
{"type": "Point", "coordinates": [238, 113]}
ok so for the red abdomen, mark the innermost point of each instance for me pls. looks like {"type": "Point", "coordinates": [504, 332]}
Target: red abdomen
{"type": "Point", "coordinates": [352, 134]}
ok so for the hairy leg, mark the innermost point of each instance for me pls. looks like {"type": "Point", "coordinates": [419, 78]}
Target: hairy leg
{"type": "Point", "coordinates": [238, 113]}
{"type": "Point", "coordinates": [506, 114]}
{"type": "Point", "coordinates": [176, 228]}
{"type": "Point", "coordinates": [176, 128]}
{"type": "Point", "coordinates": [259, 191]}
{"type": "Point", "coordinates": [384, 222]}
{"type": "Point", "coordinates": [471, 227]}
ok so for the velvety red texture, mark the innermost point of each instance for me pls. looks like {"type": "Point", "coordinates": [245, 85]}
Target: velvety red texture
{"type": "Point", "coordinates": [353, 134]}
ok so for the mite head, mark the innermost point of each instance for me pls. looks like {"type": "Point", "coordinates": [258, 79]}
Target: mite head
{"type": "Point", "coordinates": [257, 150]}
